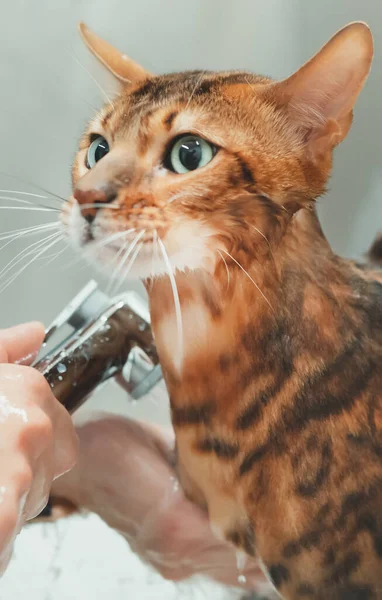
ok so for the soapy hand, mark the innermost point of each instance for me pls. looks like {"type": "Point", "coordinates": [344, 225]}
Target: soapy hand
{"type": "Point", "coordinates": [125, 475]}
{"type": "Point", "coordinates": [37, 439]}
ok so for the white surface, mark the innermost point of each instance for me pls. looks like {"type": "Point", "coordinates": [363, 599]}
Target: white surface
{"type": "Point", "coordinates": [80, 558]}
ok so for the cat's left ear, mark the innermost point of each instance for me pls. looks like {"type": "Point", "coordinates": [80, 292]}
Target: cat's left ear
{"type": "Point", "coordinates": [120, 65]}
{"type": "Point", "coordinates": [319, 97]}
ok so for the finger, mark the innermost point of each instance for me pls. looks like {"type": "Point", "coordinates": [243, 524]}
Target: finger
{"type": "Point", "coordinates": [39, 493]}
{"type": "Point", "coordinates": [9, 516]}
{"type": "Point", "coordinates": [65, 444]}
{"type": "Point", "coordinates": [21, 343]}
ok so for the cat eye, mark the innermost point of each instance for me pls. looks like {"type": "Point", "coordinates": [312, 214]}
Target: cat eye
{"type": "Point", "coordinates": [97, 150]}
{"type": "Point", "coordinates": [188, 153]}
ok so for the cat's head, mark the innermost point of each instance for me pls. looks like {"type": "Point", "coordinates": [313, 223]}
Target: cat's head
{"type": "Point", "coordinates": [179, 167]}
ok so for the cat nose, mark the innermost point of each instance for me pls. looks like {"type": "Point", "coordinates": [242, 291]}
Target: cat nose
{"type": "Point", "coordinates": [86, 199]}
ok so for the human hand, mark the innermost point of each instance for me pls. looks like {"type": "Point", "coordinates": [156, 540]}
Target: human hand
{"type": "Point", "coordinates": [124, 474]}
{"type": "Point", "coordinates": [37, 438]}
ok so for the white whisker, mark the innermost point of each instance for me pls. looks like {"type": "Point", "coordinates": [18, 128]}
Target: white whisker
{"type": "Point", "coordinates": [178, 312]}
{"type": "Point", "coordinates": [100, 244]}
{"type": "Point", "coordinates": [250, 278]}
{"type": "Point", "coordinates": [35, 208]}
{"type": "Point", "coordinates": [23, 193]}
{"type": "Point", "coordinates": [154, 255]}
{"type": "Point", "coordinates": [130, 264]}
{"type": "Point", "coordinates": [22, 269]}
{"type": "Point", "coordinates": [18, 178]}
{"type": "Point", "coordinates": [226, 266]}
{"type": "Point", "coordinates": [55, 256]}
{"type": "Point", "coordinates": [91, 77]}
{"type": "Point", "coordinates": [26, 230]}
{"type": "Point", "coordinates": [197, 84]}
{"type": "Point", "coordinates": [112, 237]}
{"type": "Point", "coordinates": [35, 246]}
{"type": "Point", "coordinates": [115, 259]}
{"type": "Point", "coordinates": [127, 254]}
{"type": "Point", "coordinates": [21, 201]}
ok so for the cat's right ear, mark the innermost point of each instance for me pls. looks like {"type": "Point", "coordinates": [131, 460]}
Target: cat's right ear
{"type": "Point", "coordinates": [120, 65]}
{"type": "Point", "coordinates": [319, 98]}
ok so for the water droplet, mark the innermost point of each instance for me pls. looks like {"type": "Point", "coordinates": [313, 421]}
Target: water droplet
{"type": "Point", "coordinates": [241, 559]}
{"type": "Point", "coordinates": [74, 384]}
{"type": "Point", "coordinates": [61, 368]}
{"type": "Point", "coordinates": [60, 378]}
{"type": "Point", "coordinates": [44, 344]}
{"type": "Point", "coordinates": [175, 484]}
{"type": "Point", "coordinates": [142, 326]}
{"type": "Point", "coordinates": [52, 385]}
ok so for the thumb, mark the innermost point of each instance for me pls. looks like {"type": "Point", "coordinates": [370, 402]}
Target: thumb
{"type": "Point", "coordinates": [21, 343]}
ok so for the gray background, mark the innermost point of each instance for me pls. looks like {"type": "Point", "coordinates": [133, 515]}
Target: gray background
{"type": "Point", "coordinates": [47, 96]}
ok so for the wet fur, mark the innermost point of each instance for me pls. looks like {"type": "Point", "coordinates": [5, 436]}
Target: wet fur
{"type": "Point", "coordinates": [276, 401]}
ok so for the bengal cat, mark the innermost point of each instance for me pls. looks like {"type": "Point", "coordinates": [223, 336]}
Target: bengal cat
{"type": "Point", "coordinates": [204, 184]}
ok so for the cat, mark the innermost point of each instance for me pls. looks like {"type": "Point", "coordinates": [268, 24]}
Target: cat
{"type": "Point", "coordinates": [203, 184]}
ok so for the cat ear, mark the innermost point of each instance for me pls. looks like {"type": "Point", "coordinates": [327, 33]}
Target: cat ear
{"type": "Point", "coordinates": [120, 65]}
{"type": "Point", "coordinates": [321, 95]}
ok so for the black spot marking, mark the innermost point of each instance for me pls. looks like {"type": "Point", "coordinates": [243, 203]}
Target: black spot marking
{"type": "Point", "coordinates": [243, 538]}
{"type": "Point", "coordinates": [346, 567]}
{"type": "Point", "coordinates": [253, 457]}
{"type": "Point", "coordinates": [278, 574]}
{"type": "Point", "coordinates": [351, 504]}
{"type": "Point", "coordinates": [330, 557]}
{"type": "Point", "coordinates": [308, 541]}
{"type": "Point", "coordinates": [246, 173]}
{"type": "Point", "coordinates": [315, 402]}
{"type": "Point", "coordinates": [312, 443]}
{"type": "Point", "coordinates": [254, 411]}
{"type": "Point", "coordinates": [212, 302]}
{"type": "Point", "coordinates": [193, 415]}
{"type": "Point", "coordinates": [205, 87]}
{"type": "Point", "coordinates": [367, 522]}
{"type": "Point", "coordinates": [234, 537]}
{"type": "Point", "coordinates": [169, 119]}
{"type": "Point", "coordinates": [221, 448]}
{"type": "Point", "coordinates": [249, 541]}
{"type": "Point", "coordinates": [107, 118]}
{"type": "Point", "coordinates": [315, 481]}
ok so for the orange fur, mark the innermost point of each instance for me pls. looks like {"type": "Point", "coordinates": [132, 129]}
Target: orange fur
{"type": "Point", "coordinates": [275, 392]}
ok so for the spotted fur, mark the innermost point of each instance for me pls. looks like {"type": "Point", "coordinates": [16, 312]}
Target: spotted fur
{"type": "Point", "coordinates": [276, 394]}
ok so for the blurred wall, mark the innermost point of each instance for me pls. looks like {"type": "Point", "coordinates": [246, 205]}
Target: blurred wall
{"type": "Point", "coordinates": [48, 94]}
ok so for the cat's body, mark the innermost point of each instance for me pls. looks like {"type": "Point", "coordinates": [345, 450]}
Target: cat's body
{"type": "Point", "coordinates": [278, 417]}
{"type": "Point", "coordinates": [274, 369]}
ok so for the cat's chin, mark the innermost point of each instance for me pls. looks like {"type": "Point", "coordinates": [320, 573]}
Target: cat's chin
{"type": "Point", "coordinates": [187, 246]}
{"type": "Point", "coordinates": [149, 262]}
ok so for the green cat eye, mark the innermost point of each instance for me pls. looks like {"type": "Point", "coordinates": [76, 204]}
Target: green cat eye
{"type": "Point", "coordinates": [97, 150]}
{"type": "Point", "coordinates": [188, 153]}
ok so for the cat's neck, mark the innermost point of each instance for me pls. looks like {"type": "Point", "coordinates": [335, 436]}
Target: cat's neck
{"type": "Point", "coordinates": [262, 318]}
